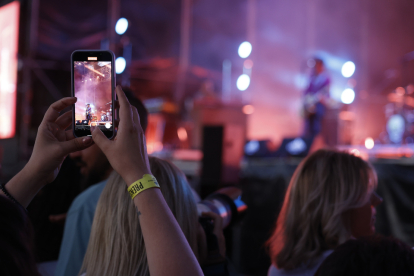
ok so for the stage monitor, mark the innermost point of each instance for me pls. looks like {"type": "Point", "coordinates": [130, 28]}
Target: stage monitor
{"type": "Point", "coordinates": [258, 148]}
{"type": "Point", "coordinates": [9, 33]}
{"type": "Point", "coordinates": [295, 147]}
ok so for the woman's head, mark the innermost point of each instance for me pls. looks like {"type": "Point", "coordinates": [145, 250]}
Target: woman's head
{"type": "Point", "coordinates": [116, 245]}
{"type": "Point", "coordinates": [315, 213]}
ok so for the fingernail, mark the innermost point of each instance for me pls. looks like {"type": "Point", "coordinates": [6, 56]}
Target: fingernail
{"type": "Point", "coordinates": [86, 140]}
{"type": "Point", "coordinates": [92, 128]}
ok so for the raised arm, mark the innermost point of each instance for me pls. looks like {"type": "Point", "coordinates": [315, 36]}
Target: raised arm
{"type": "Point", "coordinates": [168, 251]}
{"type": "Point", "coordinates": [53, 144]}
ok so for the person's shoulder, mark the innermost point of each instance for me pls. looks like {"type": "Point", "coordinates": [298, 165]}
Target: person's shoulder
{"type": "Point", "coordinates": [302, 270]}
{"type": "Point", "coordinates": [88, 198]}
{"type": "Point", "coordinates": [273, 271]}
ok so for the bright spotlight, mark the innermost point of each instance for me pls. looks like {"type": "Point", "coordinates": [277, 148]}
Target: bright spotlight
{"type": "Point", "coordinates": [120, 64]}
{"type": "Point", "coordinates": [348, 69]}
{"type": "Point", "coordinates": [348, 96]}
{"type": "Point", "coordinates": [243, 82]}
{"type": "Point", "coordinates": [121, 26]}
{"type": "Point", "coordinates": [245, 49]}
{"type": "Point", "coordinates": [369, 143]}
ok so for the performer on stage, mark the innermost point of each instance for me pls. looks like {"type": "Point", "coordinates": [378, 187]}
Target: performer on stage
{"type": "Point", "coordinates": [88, 113]}
{"type": "Point", "coordinates": [315, 99]}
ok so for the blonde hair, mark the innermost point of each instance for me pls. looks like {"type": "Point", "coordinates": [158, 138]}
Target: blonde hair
{"type": "Point", "coordinates": [116, 245]}
{"type": "Point", "coordinates": [324, 186]}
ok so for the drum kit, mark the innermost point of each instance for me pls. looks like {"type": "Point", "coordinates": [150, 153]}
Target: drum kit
{"type": "Point", "coordinates": [106, 116]}
{"type": "Point", "coordinates": [399, 112]}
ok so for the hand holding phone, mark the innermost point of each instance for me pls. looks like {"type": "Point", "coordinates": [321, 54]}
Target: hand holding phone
{"type": "Point", "coordinates": [53, 144]}
{"type": "Point", "coordinates": [93, 83]}
{"type": "Point", "coordinates": [127, 154]}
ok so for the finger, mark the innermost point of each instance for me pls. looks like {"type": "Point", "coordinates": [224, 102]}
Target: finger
{"type": "Point", "coordinates": [77, 144]}
{"type": "Point", "coordinates": [135, 115]}
{"type": "Point", "coordinates": [100, 139]}
{"type": "Point", "coordinates": [52, 112]}
{"type": "Point", "coordinates": [64, 120]}
{"type": "Point", "coordinates": [125, 113]}
{"type": "Point", "coordinates": [70, 136]}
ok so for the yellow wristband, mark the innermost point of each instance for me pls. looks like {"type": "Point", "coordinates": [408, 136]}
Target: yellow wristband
{"type": "Point", "coordinates": [146, 182]}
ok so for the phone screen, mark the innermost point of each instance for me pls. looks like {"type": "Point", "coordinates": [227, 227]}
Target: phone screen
{"type": "Point", "coordinates": [92, 84]}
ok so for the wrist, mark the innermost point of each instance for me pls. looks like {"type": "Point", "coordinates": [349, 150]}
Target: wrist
{"type": "Point", "coordinates": [134, 175]}
{"type": "Point", "coordinates": [32, 173]}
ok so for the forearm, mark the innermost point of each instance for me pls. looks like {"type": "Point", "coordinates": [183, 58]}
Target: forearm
{"type": "Point", "coordinates": [168, 251]}
{"type": "Point", "coordinates": [24, 186]}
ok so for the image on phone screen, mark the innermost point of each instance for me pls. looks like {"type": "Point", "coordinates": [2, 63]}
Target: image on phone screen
{"type": "Point", "coordinates": [93, 88]}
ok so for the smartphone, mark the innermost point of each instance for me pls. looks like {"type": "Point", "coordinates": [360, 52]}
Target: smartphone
{"type": "Point", "coordinates": [93, 83]}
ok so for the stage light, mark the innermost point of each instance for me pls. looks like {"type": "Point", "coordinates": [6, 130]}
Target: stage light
{"type": "Point", "coordinates": [120, 64]}
{"type": "Point", "coordinates": [248, 109]}
{"type": "Point", "coordinates": [348, 96]}
{"type": "Point", "coordinates": [251, 147]}
{"type": "Point", "coordinates": [296, 146]}
{"type": "Point", "coordinates": [108, 125]}
{"type": "Point", "coordinates": [348, 69]}
{"type": "Point", "coordinates": [243, 82]}
{"type": "Point", "coordinates": [182, 134]}
{"type": "Point", "coordinates": [400, 91]}
{"type": "Point", "coordinates": [245, 49]}
{"type": "Point", "coordinates": [369, 143]}
{"type": "Point", "coordinates": [121, 26]}
{"type": "Point", "coordinates": [395, 128]}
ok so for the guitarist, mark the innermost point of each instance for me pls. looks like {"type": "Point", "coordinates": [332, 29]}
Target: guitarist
{"type": "Point", "coordinates": [316, 97]}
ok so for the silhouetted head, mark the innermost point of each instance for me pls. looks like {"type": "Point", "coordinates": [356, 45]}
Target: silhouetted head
{"type": "Point", "coordinates": [373, 255]}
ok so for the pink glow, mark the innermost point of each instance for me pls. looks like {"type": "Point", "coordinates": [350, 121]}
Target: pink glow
{"type": "Point", "coordinates": [9, 32]}
{"type": "Point", "coordinates": [248, 109]}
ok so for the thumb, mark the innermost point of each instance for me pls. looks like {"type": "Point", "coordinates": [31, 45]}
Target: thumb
{"type": "Point", "coordinates": [100, 139]}
{"type": "Point", "coordinates": [77, 144]}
